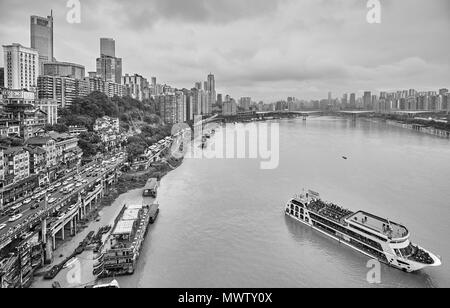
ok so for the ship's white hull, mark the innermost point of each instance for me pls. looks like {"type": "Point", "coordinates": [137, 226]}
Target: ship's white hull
{"type": "Point", "coordinates": [394, 261]}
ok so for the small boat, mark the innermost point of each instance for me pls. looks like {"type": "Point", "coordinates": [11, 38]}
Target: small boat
{"type": "Point", "coordinates": [345, 157]}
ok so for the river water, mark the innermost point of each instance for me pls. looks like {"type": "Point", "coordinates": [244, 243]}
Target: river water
{"type": "Point", "coordinates": [222, 221]}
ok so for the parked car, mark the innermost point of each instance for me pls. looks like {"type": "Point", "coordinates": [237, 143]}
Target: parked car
{"type": "Point", "coordinates": [35, 206]}
{"type": "Point", "coordinates": [15, 218]}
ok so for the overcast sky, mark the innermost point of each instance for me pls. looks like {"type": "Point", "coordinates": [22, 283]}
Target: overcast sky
{"type": "Point", "coordinates": [266, 49]}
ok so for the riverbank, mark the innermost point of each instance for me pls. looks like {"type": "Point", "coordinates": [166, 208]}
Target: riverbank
{"type": "Point", "coordinates": [79, 273]}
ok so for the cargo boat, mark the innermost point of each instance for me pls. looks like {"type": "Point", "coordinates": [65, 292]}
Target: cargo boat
{"type": "Point", "coordinates": [376, 237]}
{"type": "Point", "coordinates": [151, 188]}
{"type": "Point", "coordinates": [120, 253]}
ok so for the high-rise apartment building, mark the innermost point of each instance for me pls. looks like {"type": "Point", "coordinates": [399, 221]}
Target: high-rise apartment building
{"type": "Point", "coordinates": [367, 100]}
{"type": "Point", "coordinates": [41, 32]}
{"type": "Point", "coordinates": [353, 100]}
{"type": "Point", "coordinates": [21, 67]}
{"type": "Point", "coordinates": [135, 86]}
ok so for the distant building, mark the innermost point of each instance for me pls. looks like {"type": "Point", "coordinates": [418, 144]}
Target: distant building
{"type": "Point", "coordinates": [21, 67]}
{"type": "Point", "coordinates": [353, 100]}
{"type": "Point", "coordinates": [245, 102]}
{"type": "Point", "coordinates": [135, 86]}
{"type": "Point", "coordinates": [172, 107]}
{"type": "Point", "coordinates": [229, 108]}
{"type": "Point", "coordinates": [107, 47]}
{"type": "Point", "coordinates": [110, 89]}
{"type": "Point", "coordinates": [64, 69]}
{"type": "Point", "coordinates": [367, 100]}
{"type": "Point", "coordinates": [109, 67]}
{"type": "Point", "coordinates": [2, 77]}
{"type": "Point", "coordinates": [42, 37]}
{"type": "Point", "coordinates": [63, 90]}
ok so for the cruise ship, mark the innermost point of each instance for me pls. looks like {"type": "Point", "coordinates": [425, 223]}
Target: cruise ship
{"type": "Point", "coordinates": [373, 236]}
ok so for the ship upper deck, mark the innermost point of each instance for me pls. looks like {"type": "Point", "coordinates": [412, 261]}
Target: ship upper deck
{"type": "Point", "coordinates": [380, 225]}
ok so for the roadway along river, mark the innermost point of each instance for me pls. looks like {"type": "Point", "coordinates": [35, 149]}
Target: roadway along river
{"type": "Point", "coordinates": [222, 222]}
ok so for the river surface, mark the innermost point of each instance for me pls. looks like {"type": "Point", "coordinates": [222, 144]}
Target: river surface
{"type": "Point", "coordinates": [222, 221]}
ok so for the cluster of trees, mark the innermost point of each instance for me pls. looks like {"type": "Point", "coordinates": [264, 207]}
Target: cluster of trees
{"type": "Point", "coordinates": [149, 136]}
{"type": "Point", "coordinates": [84, 111]}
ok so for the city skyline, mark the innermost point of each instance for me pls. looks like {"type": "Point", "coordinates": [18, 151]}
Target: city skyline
{"type": "Point", "coordinates": [341, 54]}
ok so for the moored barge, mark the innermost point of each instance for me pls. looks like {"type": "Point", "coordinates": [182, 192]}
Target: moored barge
{"type": "Point", "coordinates": [121, 251]}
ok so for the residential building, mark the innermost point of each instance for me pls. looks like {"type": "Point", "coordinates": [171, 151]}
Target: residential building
{"type": "Point", "coordinates": [136, 85]}
{"type": "Point", "coordinates": [38, 164]}
{"type": "Point", "coordinates": [49, 145]}
{"type": "Point", "coordinates": [21, 67]}
{"type": "Point", "coordinates": [63, 90]}
{"type": "Point", "coordinates": [17, 164]}
{"type": "Point", "coordinates": [110, 89]}
{"type": "Point", "coordinates": [50, 107]}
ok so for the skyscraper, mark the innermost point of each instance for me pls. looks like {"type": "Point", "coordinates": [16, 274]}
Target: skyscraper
{"type": "Point", "coordinates": [353, 100]}
{"type": "Point", "coordinates": [41, 37]}
{"type": "Point", "coordinates": [21, 67]}
{"type": "Point", "coordinates": [109, 68]}
{"type": "Point", "coordinates": [107, 47]}
{"type": "Point", "coordinates": [367, 100]}
{"type": "Point", "coordinates": [211, 87]}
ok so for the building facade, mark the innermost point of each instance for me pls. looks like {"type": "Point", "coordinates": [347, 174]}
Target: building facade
{"type": "Point", "coordinates": [64, 69]}
{"type": "Point", "coordinates": [42, 37]}
{"type": "Point", "coordinates": [21, 67]}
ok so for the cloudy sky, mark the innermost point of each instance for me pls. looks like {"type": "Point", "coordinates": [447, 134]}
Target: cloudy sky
{"type": "Point", "coordinates": [266, 49]}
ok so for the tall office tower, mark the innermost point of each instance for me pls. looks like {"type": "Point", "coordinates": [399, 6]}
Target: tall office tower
{"type": "Point", "coordinates": [220, 100]}
{"type": "Point", "coordinates": [109, 68]}
{"type": "Point", "coordinates": [344, 100]}
{"type": "Point", "coordinates": [198, 85]}
{"type": "Point", "coordinates": [41, 37]}
{"type": "Point", "coordinates": [330, 98]}
{"type": "Point", "coordinates": [211, 88]}
{"type": "Point", "coordinates": [367, 100]}
{"type": "Point", "coordinates": [353, 100]}
{"type": "Point", "coordinates": [107, 47]}
{"type": "Point", "coordinates": [21, 67]}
